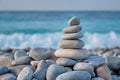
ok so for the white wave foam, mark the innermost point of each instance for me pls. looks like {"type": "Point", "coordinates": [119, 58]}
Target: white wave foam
{"type": "Point", "coordinates": [92, 40]}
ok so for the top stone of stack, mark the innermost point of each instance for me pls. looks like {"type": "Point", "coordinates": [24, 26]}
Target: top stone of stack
{"type": "Point", "coordinates": [74, 21]}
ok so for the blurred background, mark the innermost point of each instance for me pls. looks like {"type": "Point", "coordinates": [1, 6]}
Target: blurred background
{"type": "Point", "coordinates": [39, 23]}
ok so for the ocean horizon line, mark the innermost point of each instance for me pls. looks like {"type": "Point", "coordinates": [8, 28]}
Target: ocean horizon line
{"type": "Point", "coordinates": [59, 10]}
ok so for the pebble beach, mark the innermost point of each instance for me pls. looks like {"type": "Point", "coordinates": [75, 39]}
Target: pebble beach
{"type": "Point", "coordinates": [70, 62]}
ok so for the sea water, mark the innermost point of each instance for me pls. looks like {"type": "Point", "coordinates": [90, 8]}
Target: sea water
{"type": "Point", "coordinates": [44, 29]}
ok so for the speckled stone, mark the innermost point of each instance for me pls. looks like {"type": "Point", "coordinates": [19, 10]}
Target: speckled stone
{"type": "Point", "coordinates": [25, 74]}
{"type": "Point", "coordinates": [104, 72]}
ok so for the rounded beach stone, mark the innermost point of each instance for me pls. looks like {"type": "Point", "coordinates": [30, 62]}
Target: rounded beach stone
{"type": "Point", "coordinates": [71, 44]}
{"type": "Point", "coordinates": [5, 61]}
{"type": "Point", "coordinates": [84, 67]}
{"type": "Point", "coordinates": [74, 75]}
{"type": "Point", "coordinates": [17, 69]}
{"type": "Point", "coordinates": [34, 63]}
{"type": "Point", "coordinates": [66, 61]}
{"type": "Point", "coordinates": [19, 53]}
{"type": "Point", "coordinates": [7, 76]}
{"type": "Point", "coordinates": [72, 53]}
{"type": "Point", "coordinates": [72, 29]}
{"type": "Point", "coordinates": [74, 21]}
{"type": "Point", "coordinates": [54, 70]}
{"type": "Point", "coordinates": [104, 72]}
{"type": "Point", "coordinates": [98, 78]}
{"type": "Point", "coordinates": [95, 60]}
{"type": "Point", "coordinates": [50, 62]}
{"type": "Point", "coordinates": [41, 70]}
{"type": "Point", "coordinates": [113, 62]}
{"type": "Point", "coordinates": [25, 74]}
{"type": "Point", "coordinates": [3, 70]}
{"type": "Point", "coordinates": [40, 53]}
{"type": "Point", "coordinates": [21, 60]}
{"type": "Point", "coordinates": [72, 36]}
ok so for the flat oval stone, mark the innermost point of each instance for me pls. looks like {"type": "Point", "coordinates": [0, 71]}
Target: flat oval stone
{"type": "Point", "coordinates": [41, 70]}
{"type": "Point", "coordinates": [72, 29]}
{"type": "Point", "coordinates": [74, 75]}
{"type": "Point", "coordinates": [104, 72]}
{"type": "Point", "coordinates": [7, 76]}
{"type": "Point", "coordinates": [19, 53]}
{"type": "Point", "coordinates": [66, 61]}
{"type": "Point", "coordinates": [21, 60]}
{"type": "Point", "coordinates": [72, 36]}
{"type": "Point", "coordinates": [73, 53]}
{"type": "Point", "coordinates": [74, 21]}
{"type": "Point", "coordinates": [3, 70]}
{"type": "Point", "coordinates": [84, 67]}
{"type": "Point", "coordinates": [71, 44]}
{"type": "Point", "coordinates": [54, 70]}
{"type": "Point", "coordinates": [95, 60]}
{"type": "Point", "coordinates": [25, 74]}
{"type": "Point", "coordinates": [40, 53]}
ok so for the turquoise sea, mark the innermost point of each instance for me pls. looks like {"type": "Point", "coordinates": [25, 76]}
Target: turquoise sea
{"type": "Point", "coordinates": [44, 29]}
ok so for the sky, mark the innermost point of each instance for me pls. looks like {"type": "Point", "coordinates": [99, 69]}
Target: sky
{"type": "Point", "coordinates": [45, 5]}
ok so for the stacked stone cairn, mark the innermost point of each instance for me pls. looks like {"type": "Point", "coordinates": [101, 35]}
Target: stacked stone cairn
{"type": "Point", "coordinates": [79, 62]}
{"type": "Point", "coordinates": [70, 62]}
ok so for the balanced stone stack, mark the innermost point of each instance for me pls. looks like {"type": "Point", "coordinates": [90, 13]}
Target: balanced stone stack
{"type": "Point", "coordinates": [71, 47]}
{"type": "Point", "coordinates": [79, 62]}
